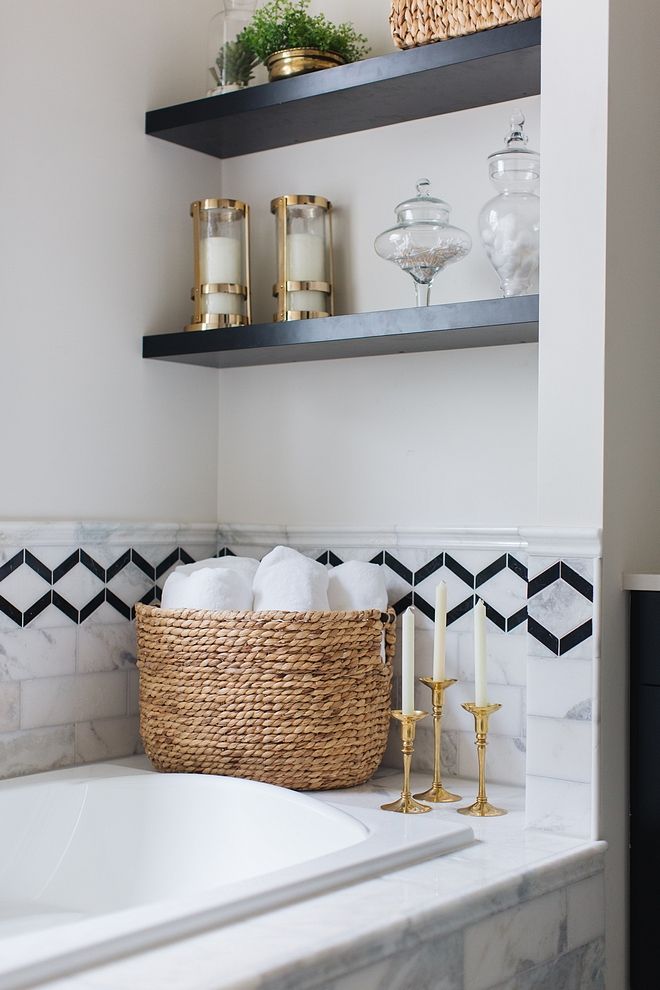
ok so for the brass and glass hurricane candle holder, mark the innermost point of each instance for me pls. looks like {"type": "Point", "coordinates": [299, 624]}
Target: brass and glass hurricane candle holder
{"type": "Point", "coordinates": [406, 804]}
{"type": "Point", "coordinates": [304, 287]}
{"type": "Point", "coordinates": [437, 794]}
{"type": "Point", "coordinates": [481, 808]}
{"type": "Point", "coordinates": [221, 243]}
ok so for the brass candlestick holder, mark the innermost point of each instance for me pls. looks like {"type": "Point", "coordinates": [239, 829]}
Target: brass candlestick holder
{"type": "Point", "coordinates": [437, 794]}
{"type": "Point", "coordinates": [481, 807]}
{"type": "Point", "coordinates": [406, 804]}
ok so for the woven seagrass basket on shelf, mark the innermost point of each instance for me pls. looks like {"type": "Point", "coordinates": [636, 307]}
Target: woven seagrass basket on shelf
{"type": "Point", "coordinates": [299, 699]}
{"type": "Point", "coordinates": [419, 22]}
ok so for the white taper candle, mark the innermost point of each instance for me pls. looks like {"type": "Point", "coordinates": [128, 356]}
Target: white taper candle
{"type": "Point", "coordinates": [480, 683]}
{"type": "Point", "coordinates": [439, 631]}
{"type": "Point", "coordinates": [408, 662]}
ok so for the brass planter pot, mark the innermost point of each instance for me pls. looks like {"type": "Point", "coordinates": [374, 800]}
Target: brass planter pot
{"type": "Point", "coordinates": [297, 61]}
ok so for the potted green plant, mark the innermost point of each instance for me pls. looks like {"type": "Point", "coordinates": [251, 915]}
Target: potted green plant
{"type": "Point", "coordinates": [290, 41]}
{"type": "Point", "coordinates": [234, 66]}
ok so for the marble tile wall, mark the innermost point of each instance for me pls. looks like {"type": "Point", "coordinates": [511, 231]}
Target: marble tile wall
{"type": "Point", "coordinates": [68, 681]}
{"type": "Point", "coordinates": [541, 648]}
{"type": "Point", "coordinates": [550, 942]}
{"type": "Point", "coordinates": [562, 668]}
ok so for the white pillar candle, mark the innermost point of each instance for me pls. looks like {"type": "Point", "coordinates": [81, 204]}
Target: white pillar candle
{"type": "Point", "coordinates": [480, 689]}
{"type": "Point", "coordinates": [408, 662]}
{"type": "Point", "coordinates": [222, 302]}
{"type": "Point", "coordinates": [439, 631]}
{"type": "Point", "coordinates": [305, 258]}
{"type": "Point", "coordinates": [220, 261]}
{"type": "Point", "coordinates": [306, 300]}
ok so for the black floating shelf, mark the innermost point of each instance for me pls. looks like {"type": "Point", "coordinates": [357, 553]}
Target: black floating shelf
{"type": "Point", "coordinates": [484, 323]}
{"type": "Point", "coordinates": [478, 70]}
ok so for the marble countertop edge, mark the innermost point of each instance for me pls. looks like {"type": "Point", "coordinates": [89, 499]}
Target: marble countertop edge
{"type": "Point", "coordinates": [349, 950]}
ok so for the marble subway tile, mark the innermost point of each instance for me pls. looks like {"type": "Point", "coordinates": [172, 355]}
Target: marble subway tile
{"type": "Point", "coordinates": [560, 688]}
{"type": "Point", "coordinates": [107, 738]}
{"type": "Point", "coordinates": [59, 700]}
{"type": "Point", "coordinates": [585, 911]}
{"type": "Point", "coordinates": [505, 758]}
{"type": "Point", "coordinates": [561, 806]}
{"type": "Point", "coordinates": [560, 748]}
{"type": "Point", "coordinates": [581, 969]}
{"type": "Point", "coordinates": [392, 756]}
{"type": "Point", "coordinates": [106, 646]}
{"type": "Point", "coordinates": [36, 750]}
{"type": "Point", "coordinates": [506, 944]}
{"type": "Point", "coordinates": [9, 706]}
{"type": "Point", "coordinates": [507, 658]}
{"type": "Point", "coordinates": [424, 749]}
{"type": "Point", "coordinates": [133, 692]}
{"type": "Point", "coordinates": [30, 653]}
{"type": "Point", "coordinates": [437, 964]}
{"type": "Point", "coordinates": [508, 721]}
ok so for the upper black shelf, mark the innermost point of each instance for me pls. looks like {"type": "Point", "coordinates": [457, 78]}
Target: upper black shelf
{"type": "Point", "coordinates": [477, 70]}
{"type": "Point", "coordinates": [482, 323]}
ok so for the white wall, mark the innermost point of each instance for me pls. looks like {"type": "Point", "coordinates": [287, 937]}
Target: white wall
{"type": "Point", "coordinates": [574, 83]}
{"type": "Point", "coordinates": [432, 439]}
{"type": "Point", "coordinates": [96, 250]}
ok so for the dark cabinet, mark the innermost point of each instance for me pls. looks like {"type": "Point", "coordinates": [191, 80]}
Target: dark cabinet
{"type": "Point", "coordinates": [644, 783]}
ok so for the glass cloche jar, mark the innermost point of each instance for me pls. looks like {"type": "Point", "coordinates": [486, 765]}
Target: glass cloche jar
{"type": "Point", "coordinates": [230, 64]}
{"type": "Point", "coordinates": [509, 223]}
{"type": "Point", "coordinates": [423, 242]}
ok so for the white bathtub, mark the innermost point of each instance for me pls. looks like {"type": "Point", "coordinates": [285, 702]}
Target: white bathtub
{"type": "Point", "coordinates": [107, 859]}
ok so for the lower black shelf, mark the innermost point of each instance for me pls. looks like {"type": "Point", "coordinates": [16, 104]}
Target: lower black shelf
{"type": "Point", "coordinates": [483, 323]}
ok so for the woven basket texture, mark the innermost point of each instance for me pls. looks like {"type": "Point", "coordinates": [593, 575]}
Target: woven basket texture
{"type": "Point", "coordinates": [418, 22]}
{"type": "Point", "coordinates": [299, 699]}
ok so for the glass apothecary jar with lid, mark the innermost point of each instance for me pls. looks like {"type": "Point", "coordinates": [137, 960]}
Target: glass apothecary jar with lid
{"type": "Point", "coordinates": [509, 223]}
{"type": "Point", "coordinates": [230, 63]}
{"type": "Point", "coordinates": [423, 242]}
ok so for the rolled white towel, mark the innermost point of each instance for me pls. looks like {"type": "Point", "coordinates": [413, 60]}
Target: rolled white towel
{"type": "Point", "coordinates": [288, 581]}
{"type": "Point", "coordinates": [215, 589]}
{"type": "Point", "coordinates": [357, 585]}
{"type": "Point", "coordinates": [247, 566]}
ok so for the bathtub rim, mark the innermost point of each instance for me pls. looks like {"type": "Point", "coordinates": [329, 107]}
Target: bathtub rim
{"type": "Point", "coordinates": [71, 947]}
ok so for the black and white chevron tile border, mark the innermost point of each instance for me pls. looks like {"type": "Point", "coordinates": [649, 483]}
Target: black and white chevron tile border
{"type": "Point", "coordinates": [559, 580]}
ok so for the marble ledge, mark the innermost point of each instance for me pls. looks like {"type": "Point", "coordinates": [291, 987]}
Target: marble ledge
{"type": "Point", "coordinates": [315, 942]}
{"type": "Point", "coordinates": [641, 582]}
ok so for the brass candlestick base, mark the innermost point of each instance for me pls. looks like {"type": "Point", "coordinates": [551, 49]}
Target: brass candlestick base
{"type": "Point", "coordinates": [406, 804]}
{"type": "Point", "coordinates": [437, 794]}
{"type": "Point", "coordinates": [481, 808]}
